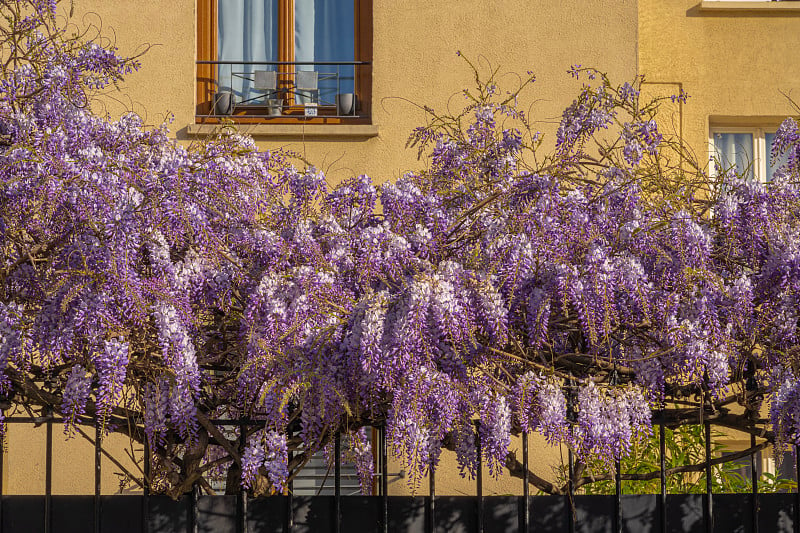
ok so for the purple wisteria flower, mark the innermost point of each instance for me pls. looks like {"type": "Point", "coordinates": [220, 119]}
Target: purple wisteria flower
{"type": "Point", "coordinates": [494, 290]}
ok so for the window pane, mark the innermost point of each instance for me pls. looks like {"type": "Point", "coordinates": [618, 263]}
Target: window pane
{"type": "Point", "coordinates": [735, 150]}
{"type": "Point", "coordinates": [247, 30]}
{"type": "Point", "coordinates": [773, 164]}
{"type": "Point", "coordinates": [324, 31]}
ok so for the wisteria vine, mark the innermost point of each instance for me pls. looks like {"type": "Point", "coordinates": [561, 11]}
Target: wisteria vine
{"type": "Point", "coordinates": [571, 291]}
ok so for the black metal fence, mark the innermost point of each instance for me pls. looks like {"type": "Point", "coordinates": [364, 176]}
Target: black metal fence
{"type": "Point", "coordinates": [569, 513]}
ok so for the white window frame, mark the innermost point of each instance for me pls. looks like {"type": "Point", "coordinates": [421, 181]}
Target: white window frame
{"type": "Point", "coordinates": [761, 152]}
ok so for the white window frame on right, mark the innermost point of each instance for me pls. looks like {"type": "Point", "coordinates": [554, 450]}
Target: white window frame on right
{"type": "Point", "coordinates": [761, 154]}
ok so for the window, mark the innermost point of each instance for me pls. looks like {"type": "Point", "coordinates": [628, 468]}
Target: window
{"type": "Point", "coordinates": [749, 150]}
{"type": "Point", "coordinates": [284, 60]}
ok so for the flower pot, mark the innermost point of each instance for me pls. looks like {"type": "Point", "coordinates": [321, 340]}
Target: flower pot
{"type": "Point", "coordinates": [274, 107]}
{"type": "Point", "coordinates": [345, 104]}
{"type": "Point", "coordinates": [223, 103]}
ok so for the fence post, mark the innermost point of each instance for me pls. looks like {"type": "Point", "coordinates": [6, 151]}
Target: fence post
{"type": "Point", "coordinates": [797, 488]}
{"type": "Point", "coordinates": [754, 482]}
{"type": "Point", "coordinates": [662, 458]}
{"type": "Point", "coordinates": [98, 435]}
{"type": "Point", "coordinates": [709, 504]}
{"type": "Point", "coordinates": [290, 487]}
{"type": "Point", "coordinates": [146, 488]}
{"type": "Point", "coordinates": [242, 522]}
{"type": "Point", "coordinates": [431, 500]}
{"type": "Point", "coordinates": [570, 458]}
{"type": "Point", "coordinates": [48, 476]}
{"type": "Point", "coordinates": [618, 496]}
{"type": "Point", "coordinates": [571, 492]}
{"type": "Point", "coordinates": [525, 490]}
{"type": "Point", "coordinates": [479, 476]}
{"type": "Point", "coordinates": [193, 509]}
{"type": "Point", "coordinates": [337, 483]}
{"type": "Point", "coordinates": [2, 457]}
{"type": "Point", "coordinates": [384, 481]}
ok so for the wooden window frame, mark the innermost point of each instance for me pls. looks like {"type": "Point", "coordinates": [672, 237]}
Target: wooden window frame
{"type": "Point", "coordinates": [206, 80]}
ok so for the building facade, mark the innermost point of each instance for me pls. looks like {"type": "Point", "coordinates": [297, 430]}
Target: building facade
{"type": "Point", "coordinates": [276, 69]}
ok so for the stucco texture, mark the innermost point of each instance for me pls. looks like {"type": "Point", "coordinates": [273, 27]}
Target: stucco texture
{"type": "Point", "coordinates": [414, 60]}
{"type": "Point", "coordinates": [734, 64]}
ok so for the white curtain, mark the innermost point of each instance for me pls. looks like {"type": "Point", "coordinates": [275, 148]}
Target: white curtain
{"type": "Point", "coordinates": [247, 30]}
{"type": "Point", "coordinates": [324, 31]}
{"type": "Point", "coordinates": [772, 166]}
{"type": "Point", "coordinates": [735, 149]}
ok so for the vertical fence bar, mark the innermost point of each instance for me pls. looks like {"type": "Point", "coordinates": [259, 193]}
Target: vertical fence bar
{"type": "Point", "coordinates": [384, 481]}
{"type": "Point", "coordinates": [797, 488]}
{"type": "Point", "coordinates": [571, 492]}
{"type": "Point", "coordinates": [2, 457]}
{"type": "Point", "coordinates": [708, 510]}
{"type": "Point", "coordinates": [289, 525]}
{"type": "Point", "coordinates": [97, 474]}
{"type": "Point", "coordinates": [146, 488]}
{"type": "Point", "coordinates": [754, 483]}
{"type": "Point", "coordinates": [337, 483]}
{"type": "Point", "coordinates": [193, 510]}
{"type": "Point", "coordinates": [241, 525]}
{"type": "Point", "coordinates": [570, 459]}
{"type": "Point", "coordinates": [431, 526]}
{"type": "Point", "coordinates": [48, 478]}
{"type": "Point", "coordinates": [618, 497]}
{"type": "Point", "coordinates": [662, 452]}
{"type": "Point", "coordinates": [525, 490]}
{"type": "Point", "coordinates": [479, 475]}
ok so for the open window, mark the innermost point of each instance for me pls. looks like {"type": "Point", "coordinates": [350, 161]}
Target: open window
{"type": "Point", "coordinates": [284, 61]}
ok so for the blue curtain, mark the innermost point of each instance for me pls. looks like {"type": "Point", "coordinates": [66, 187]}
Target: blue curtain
{"type": "Point", "coordinates": [324, 31]}
{"type": "Point", "coordinates": [247, 30]}
{"type": "Point", "coordinates": [735, 149]}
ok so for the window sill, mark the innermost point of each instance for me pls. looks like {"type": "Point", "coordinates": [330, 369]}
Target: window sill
{"type": "Point", "coordinates": [762, 8]}
{"type": "Point", "coordinates": [293, 131]}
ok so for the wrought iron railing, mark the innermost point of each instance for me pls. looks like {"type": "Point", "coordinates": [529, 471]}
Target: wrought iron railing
{"type": "Point", "coordinates": [273, 89]}
{"type": "Point", "coordinates": [754, 512]}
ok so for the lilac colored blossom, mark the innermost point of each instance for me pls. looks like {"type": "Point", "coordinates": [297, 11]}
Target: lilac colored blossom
{"type": "Point", "coordinates": [266, 450]}
{"type": "Point", "coordinates": [111, 366]}
{"type": "Point", "coordinates": [76, 392]}
{"type": "Point", "coordinates": [363, 458]}
{"type": "Point", "coordinates": [540, 405]}
{"type": "Point", "coordinates": [217, 280]}
{"type": "Point", "coordinates": [495, 432]}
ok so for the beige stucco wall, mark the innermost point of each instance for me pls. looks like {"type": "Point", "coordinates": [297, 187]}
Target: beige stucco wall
{"type": "Point", "coordinates": [733, 59]}
{"type": "Point", "coordinates": [24, 461]}
{"type": "Point", "coordinates": [415, 44]}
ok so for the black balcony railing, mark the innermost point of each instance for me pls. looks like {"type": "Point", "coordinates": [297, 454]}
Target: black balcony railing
{"type": "Point", "coordinates": [275, 89]}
